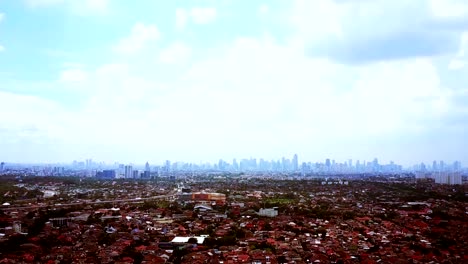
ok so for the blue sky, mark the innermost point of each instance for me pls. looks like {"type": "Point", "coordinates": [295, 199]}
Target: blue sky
{"type": "Point", "coordinates": [201, 80]}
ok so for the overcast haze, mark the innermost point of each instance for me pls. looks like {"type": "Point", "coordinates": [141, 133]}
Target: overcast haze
{"type": "Point", "coordinates": [132, 81]}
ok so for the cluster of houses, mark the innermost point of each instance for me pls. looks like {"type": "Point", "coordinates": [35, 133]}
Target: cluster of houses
{"type": "Point", "coordinates": [339, 223]}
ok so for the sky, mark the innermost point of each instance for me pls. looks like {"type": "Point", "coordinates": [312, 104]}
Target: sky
{"type": "Point", "coordinates": [137, 81]}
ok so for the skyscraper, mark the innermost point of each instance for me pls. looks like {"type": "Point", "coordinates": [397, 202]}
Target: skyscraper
{"type": "Point", "coordinates": [235, 165]}
{"type": "Point", "coordinates": [328, 163]}
{"type": "Point", "coordinates": [448, 178]}
{"type": "Point", "coordinates": [108, 174]}
{"type": "Point", "coordinates": [136, 174]}
{"type": "Point", "coordinates": [295, 163]}
{"type": "Point", "coordinates": [147, 172]}
{"type": "Point", "coordinates": [168, 166]}
{"type": "Point", "coordinates": [128, 172]}
{"type": "Point", "coordinates": [2, 165]}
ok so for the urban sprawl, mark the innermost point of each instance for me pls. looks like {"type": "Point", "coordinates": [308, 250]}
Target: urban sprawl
{"type": "Point", "coordinates": [251, 211]}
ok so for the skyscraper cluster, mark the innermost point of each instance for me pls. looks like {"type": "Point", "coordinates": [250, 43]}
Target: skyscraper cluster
{"type": "Point", "coordinates": [438, 166]}
{"type": "Point", "coordinates": [450, 178]}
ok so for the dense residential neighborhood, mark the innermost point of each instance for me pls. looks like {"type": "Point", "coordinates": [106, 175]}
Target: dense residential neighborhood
{"type": "Point", "coordinates": [233, 219]}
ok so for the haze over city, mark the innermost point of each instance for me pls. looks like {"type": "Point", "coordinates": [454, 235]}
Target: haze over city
{"type": "Point", "coordinates": [198, 81]}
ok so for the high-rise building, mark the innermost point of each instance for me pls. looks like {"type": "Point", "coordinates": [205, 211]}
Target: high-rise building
{"type": "Point", "coordinates": [89, 164]}
{"type": "Point", "coordinates": [456, 179]}
{"type": "Point", "coordinates": [168, 166]}
{"type": "Point", "coordinates": [295, 163]}
{"type": "Point", "coordinates": [327, 164]}
{"type": "Point", "coordinates": [235, 165]}
{"type": "Point", "coordinates": [147, 172]}
{"type": "Point", "coordinates": [108, 174]}
{"type": "Point", "coordinates": [422, 167]}
{"type": "Point", "coordinates": [448, 178]}
{"type": "Point", "coordinates": [375, 164]}
{"type": "Point", "coordinates": [2, 165]}
{"type": "Point", "coordinates": [434, 166]}
{"type": "Point", "coordinates": [128, 172]}
{"type": "Point", "coordinates": [59, 171]}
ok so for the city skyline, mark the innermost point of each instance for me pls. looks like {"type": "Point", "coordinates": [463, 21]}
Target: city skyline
{"type": "Point", "coordinates": [191, 81]}
{"type": "Point", "coordinates": [292, 163]}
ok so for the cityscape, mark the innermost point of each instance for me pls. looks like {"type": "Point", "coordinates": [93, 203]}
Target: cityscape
{"type": "Point", "coordinates": [90, 212]}
{"type": "Point", "coordinates": [101, 170]}
{"type": "Point", "coordinates": [234, 132]}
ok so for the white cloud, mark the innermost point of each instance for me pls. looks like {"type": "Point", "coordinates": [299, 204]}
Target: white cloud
{"type": "Point", "coordinates": [460, 60]}
{"type": "Point", "coordinates": [100, 6]}
{"type": "Point", "coordinates": [255, 96]}
{"type": "Point", "coordinates": [263, 9]}
{"type": "Point", "coordinates": [360, 31]}
{"type": "Point", "coordinates": [316, 19]}
{"type": "Point", "coordinates": [449, 8]}
{"type": "Point", "coordinates": [254, 93]}
{"type": "Point", "coordinates": [139, 37]}
{"type": "Point", "coordinates": [182, 17]}
{"type": "Point", "coordinates": [463, 44]}
{"type": "Point", "coordinates": [203, 15]}
{"type": "Point", "coordinates": [456, 64]}
{"type": "Point", "coordinates": [29, 118]}
{"type": "Point", "coordinates": [198, 15]}
{"type": "Point", "coordinates": [176, 53]}
{"type": "Point", "coordinates": [2, 48]}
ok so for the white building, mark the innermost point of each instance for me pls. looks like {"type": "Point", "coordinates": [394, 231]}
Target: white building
{"type": "Point", "coordinates": [270, 212]}
{"type": "Point", "coordinates": [448, 178]}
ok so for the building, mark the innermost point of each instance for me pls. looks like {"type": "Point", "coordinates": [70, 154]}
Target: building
{"type": "Point", "coordinates": [167, 166]}
{"type": "Point", "coordinates": [457, 166]}
{"type": "Point", "coordinates": [59, 171]}
{"type": "Point", "coordinates": [2, 165]}
{"type": "Point", "coordinates": [136, 174]}
{"type": "Point", "coordinates": [448, 178]}
{"type": "Point", "coordinates": [178, 240]}
{"type": "Point", "coordinates": [420, 175]}
{"type": "Point", "coordinates": [106, 174]}
{"type": "Point", "coordinates": [128, 172]}
{"type": "Point", "coordinates": [270, 212]}
{"type": "Point", "coordinates": [17, 227]}
{"type": "Point", "coordinates": [147, 172]}
{"type": "Point", "coordinates": [219, 198]}
{"type": "Point", "coordinates": [295, 163]}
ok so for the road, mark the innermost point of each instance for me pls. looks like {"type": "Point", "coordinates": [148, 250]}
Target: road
{"type": "Point", "coordinates": [130, 200]}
